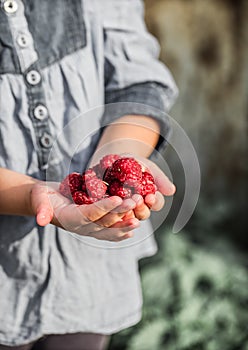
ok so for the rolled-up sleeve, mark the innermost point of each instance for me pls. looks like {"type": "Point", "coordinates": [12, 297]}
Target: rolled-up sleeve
{"type": "Point", "coordinates": [134, 76]}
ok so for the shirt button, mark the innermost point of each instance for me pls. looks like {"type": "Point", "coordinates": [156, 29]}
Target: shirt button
{"type": "Point", "coordinates": [33, 77]}
{"type": "Point", "coordinates": [46, 140]}
{"type": "Point", "coordinates": [40, 112]}
{"type": "Point", "coordinates": [22, 40]}
{"type": "Point", "coordinates": [10, 6]}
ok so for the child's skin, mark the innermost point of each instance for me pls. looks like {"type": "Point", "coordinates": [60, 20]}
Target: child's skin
{"type": "Point", "coordinates": [110, 219]}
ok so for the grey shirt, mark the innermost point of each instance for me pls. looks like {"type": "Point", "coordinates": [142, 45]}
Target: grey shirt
{"type": "Point", "coordinates": [60, 62]}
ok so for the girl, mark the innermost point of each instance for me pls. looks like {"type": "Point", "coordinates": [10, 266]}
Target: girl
{"type": "Point", "coordinates": [61, 61]}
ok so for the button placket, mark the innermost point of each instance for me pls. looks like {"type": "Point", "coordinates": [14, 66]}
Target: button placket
{"type": "Point", "coordinates": [28, 60]}
{"type": "Point", "coordinates": [39, 114]}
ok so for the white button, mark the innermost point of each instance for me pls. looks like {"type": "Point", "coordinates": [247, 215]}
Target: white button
{"type": "Point", "coordinates": [40, 112]}
{"type": "Point", "coordinates": [46, 140]}
{"type": "Point", "coordinates": [33, 77]}
{"type": "Point", "coordinates": [22, 40]}
{"type": "Point", "coordinates": [10, 6]}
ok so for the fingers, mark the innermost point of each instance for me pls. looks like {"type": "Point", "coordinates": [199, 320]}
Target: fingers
{"type": "Point", "coordinates": [109, 219]}
{"type": "Point", "coordinates": [141, 211]}
{"type": "Point", "coordinates": [118, 232]}
{"type": "Point", "coordinates": [107, 213]}
{"type": "Point", "coordinates": [129, 215]}
{"type": "Point", "coordinates": [155, 201]}
{"type": "Point", "coordinates": [114, 217]}
{"type": "Point", "coordinates": [73, 216]}
{"type": "Point", "coordinates": [165, 186]}
{"type": "Point", "coordinates": [127, 204]}
{"type": "Point", "coordinates": [116, 214]}
{"type": "Point", "coordinates": [96, 211]}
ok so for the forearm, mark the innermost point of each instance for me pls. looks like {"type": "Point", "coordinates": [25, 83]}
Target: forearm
{"type": "Point", "coordinates": [130, 134]}
{"type": "Point", "coordinates": [15, 191]}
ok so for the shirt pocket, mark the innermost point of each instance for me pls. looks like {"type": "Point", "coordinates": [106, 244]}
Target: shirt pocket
{"type": "Point", "coordinates": [58, 28]}
{"type": "Point", "coordinates": [8, 58]}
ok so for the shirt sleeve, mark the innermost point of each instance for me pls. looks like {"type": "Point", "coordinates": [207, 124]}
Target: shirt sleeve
{"type": "Point", "coordinates": [136, 82]}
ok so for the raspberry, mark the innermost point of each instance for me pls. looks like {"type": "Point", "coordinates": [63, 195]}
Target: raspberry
{"type": "Point", "coordinates": [107, 161]}
{"type": "Point", "coordinates": [80, 198]}
{"type": "Point", "coordinates": [88, 174]}
{"type": "Point", "coordinates": [126, 170]}
{"type": "Point", "coordinates": [117, 189]}
{"type": "Point", "coordinates": [124, 176]}
{"type": "Point", "coordinates": [95, 188]}
{"type": "Point", "coordinates": [147, 185]}
{"type": "Point", "coordinates": [71, 184]}
{"type": "Point", "coordinates": [147, 178]}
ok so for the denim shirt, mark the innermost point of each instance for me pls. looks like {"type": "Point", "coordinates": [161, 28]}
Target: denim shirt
{"type": "Point", "coordinates": [60, 62]}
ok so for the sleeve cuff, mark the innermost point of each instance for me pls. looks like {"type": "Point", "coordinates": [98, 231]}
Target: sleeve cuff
{"type": "Point", "coordinates": [151, 99]}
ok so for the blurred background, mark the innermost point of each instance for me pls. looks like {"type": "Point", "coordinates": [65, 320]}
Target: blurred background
{"type": "Point", "coordinates": [196, 287]}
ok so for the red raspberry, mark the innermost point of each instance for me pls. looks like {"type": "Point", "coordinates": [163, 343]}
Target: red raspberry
{"type": "Point", "coordinates": [80, 198]}
{"type": "Point", "coordinates": [147, 185]}
{"type": "Point", "coordinates": [147, 178]}
{"type": "Point", "coordinates": [88, 174]}
{"type": "Point", "coordinates": [126, 170]}
{"type": "Point", "coordinates": [107, 161]}
{"type": "Point", "coordinates": [71, 184]}
{"type": "Point", "coordinates": [96, 188]}
{"type": "Point", "coordinates": [117, 189]}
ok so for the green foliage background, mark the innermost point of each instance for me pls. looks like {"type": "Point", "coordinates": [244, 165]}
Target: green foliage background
{"type": "Point", "coordinates": [195, 297]}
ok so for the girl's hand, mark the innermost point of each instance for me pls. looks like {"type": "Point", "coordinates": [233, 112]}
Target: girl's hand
{"type": "Point", "coordinates": [111, 219]}
{"type": "Point", "coordinates": [104, 220]}
{"type": "Point", "coordinates": [152, 202]}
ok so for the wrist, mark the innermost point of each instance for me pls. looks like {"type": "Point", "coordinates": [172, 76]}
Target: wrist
{"type": "Point", "coordinates": [132, 134]}
{"type": "Point", "coordinates": [15, 191]}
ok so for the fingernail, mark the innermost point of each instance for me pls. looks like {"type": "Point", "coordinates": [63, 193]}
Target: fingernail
{"type": "Point", "coordinates": [42, 214]}
{"type": "Point", "coordinates": [173, 187]}
{"type": "Point", "coordinates": [41, 217]}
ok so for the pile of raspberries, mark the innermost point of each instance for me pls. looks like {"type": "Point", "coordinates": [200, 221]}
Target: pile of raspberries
{"type": "Point", "coordinates": [112, 176]}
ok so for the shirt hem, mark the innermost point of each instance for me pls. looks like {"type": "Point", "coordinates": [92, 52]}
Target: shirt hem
{"type": "Point", "coordinates": [130, 321]}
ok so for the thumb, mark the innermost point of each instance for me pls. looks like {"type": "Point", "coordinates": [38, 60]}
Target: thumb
{"type": "Point", "coordinates": [165, 186]}
{"type": "Point", "coordinates": [41, 204]}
